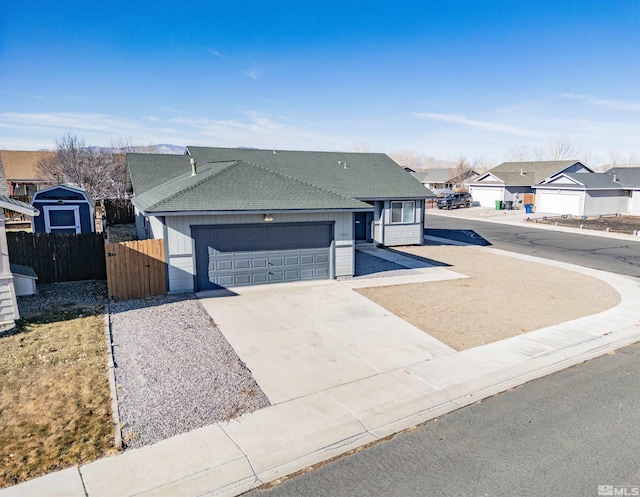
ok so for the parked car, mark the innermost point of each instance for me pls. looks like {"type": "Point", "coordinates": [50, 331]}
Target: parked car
{"type": "Point", "coordinates": [455, 200]}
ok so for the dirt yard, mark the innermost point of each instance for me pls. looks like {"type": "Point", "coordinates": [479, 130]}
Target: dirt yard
{"type": "Point", "coordinates": [619, 224]}
{"type": "Point", "coordinates": [503, 297]}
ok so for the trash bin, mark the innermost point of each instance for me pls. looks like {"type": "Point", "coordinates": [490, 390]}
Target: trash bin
{"type": "Point", "coordinates": [508, 204]}
{"type": "Point", "coordinates": [498, 205]}
{"type": "Point", "coordinates": [528, 208]}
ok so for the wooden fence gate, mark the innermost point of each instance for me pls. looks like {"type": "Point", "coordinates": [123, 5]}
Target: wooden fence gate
{"type": "Point", "coordinates": [135, 269]}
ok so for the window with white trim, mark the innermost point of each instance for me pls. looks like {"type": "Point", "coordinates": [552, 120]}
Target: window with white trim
{"type": "Point", "coordinates": [403, 212]}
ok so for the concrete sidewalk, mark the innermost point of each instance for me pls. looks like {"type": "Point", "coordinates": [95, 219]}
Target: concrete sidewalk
{"type": "Point", "coordinates": [232, 457]}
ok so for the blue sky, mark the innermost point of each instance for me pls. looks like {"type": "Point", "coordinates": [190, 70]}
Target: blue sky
{"type": "Point", "coordinates": [443, 78]}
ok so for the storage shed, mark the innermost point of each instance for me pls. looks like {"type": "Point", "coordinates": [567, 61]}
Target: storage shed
{"type": "Point", "coordinates": [65, 209]}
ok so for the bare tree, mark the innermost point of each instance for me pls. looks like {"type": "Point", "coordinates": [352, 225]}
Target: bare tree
{"type": "Point", "coordinates": [561, 148]}
{"type": "Point", "coordinates": [461, 171]}
{"type": "Point", "coordinates": [417, 160]}
{"type": "Point", "coordinates": [100, 171]}
{"type": "Point", "coordinates": [520, 153]}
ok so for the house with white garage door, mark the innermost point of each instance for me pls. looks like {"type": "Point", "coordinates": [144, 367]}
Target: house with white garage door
{"type": "Point", "coordinates": [233, 217]}
{"type": "Point", "coordinates": [509, 181]}
{"type": "Point", "coordinates": [616, 191]}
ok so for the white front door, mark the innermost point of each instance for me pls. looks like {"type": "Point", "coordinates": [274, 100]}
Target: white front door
{"type": "Point", "coordinates": [62, 218]}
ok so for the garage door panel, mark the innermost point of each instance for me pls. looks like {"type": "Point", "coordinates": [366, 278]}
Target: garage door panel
{"type": "Point", "coordinates": [292, 260]}
{"type": "Point", "coordinates": [259, 262]}
{"type": "Point", "coordinates": [242, 263]}
{"type": "Point", "coordinates": [221, 265]}
{"type": "Point", "coordinates": [276, 261]}
{"type": "Point", "coordinates": [250, 255]}
{"type": "Point", "coordinates": [307, 259]}
{"type": "Point", "coordinates": [322, 273]}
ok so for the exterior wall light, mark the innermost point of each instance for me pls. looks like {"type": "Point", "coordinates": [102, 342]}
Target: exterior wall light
{"type": "Point", "coordinates": [268, 218]}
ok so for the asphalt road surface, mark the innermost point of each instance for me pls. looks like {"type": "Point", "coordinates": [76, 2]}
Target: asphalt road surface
{"type": "Point", "coordinates": [608, 254]}
{"type": "Point", "coordinates": [568, 434]}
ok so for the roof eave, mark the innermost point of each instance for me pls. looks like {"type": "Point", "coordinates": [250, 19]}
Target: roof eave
{"type": "Point", "coordinates": [255, 211]}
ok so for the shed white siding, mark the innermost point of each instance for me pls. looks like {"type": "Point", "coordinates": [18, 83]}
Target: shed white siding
{"type": "Point", "coordinates": [179, 245]}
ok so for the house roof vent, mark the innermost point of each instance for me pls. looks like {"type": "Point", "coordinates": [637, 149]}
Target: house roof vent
{"type": "Point", "coordinates": [194, 169]}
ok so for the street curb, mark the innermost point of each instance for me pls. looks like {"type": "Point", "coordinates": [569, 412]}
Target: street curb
{"type": "Point", "coordinates": [529, 223]}
{"type": "Point", "coordinates": [112, 379]}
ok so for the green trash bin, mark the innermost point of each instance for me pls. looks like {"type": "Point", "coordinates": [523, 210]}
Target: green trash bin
{"type": "Point", "coordinates": [498, 205]}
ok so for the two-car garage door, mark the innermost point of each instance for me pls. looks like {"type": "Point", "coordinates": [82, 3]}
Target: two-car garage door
{"type": "Point", "coordinates": [237, 255]}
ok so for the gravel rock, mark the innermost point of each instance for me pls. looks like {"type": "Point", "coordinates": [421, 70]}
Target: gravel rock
{"type": "Point", "coordinates": [175, 370]}
{"type": "Point", "coordinates": [91, 294]}
{"type": "Point", "coordinates": [370, 266]}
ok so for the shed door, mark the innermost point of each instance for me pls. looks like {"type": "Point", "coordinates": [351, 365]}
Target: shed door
{"type": "Point", "coordinates": [62, 218]}
{"type": "Point", "coordinates": [259, 254]}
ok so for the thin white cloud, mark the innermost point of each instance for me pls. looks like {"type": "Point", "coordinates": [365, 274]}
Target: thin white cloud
{"type": "Point", "coordinates": [253, 73]}
{"type": "Point", "coordinates": [216, 53]}
{"type": "Point", "coordinates": [604, 103]}
{"type": "Point", "coordinates": [475, 123]}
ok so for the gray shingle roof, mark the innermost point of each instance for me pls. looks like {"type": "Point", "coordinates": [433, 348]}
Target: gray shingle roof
{"type": "Point", "coordinates": [527, 173]}
{"type": "Point", "coordinates": [434, 175]}
{"type": "Point", "coordinates": [629, 177]}
{"type": "Point", "coordinates": [239, 186]}
{"type": "Point", "coordinates": [366, 176]}
{"type": "Point", "coordinates": [250, 179]}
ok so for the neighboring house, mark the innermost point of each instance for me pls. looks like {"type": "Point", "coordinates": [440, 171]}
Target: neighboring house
{"type": "Point", "coordinates": [511, 180]}
{"type": "Point", "coordinates": [65, 209]}
{"type": "Point", "coordinates": [444, 180]}
{"type": "Point", "coordinates": [8, 303]}
{"type": "Point", "coordinates": [616, 191]}
{"type": "Point", "coordinates": [21, 171]}
{"type": "Point", "coordinates": [234, 217]}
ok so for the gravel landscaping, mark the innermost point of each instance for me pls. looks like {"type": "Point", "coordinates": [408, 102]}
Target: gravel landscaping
{"type": "Point", "coordinates": [59, 297]}
{"type": "Point", "coordinates": [175, 371]}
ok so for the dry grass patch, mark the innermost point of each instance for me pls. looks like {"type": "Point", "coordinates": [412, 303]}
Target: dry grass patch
{"type": "Point", "coordinates": [55, 405]}
{"type": "Point", "coordinates": [503, 297]}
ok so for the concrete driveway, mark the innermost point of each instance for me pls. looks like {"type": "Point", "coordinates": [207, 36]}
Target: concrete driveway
{"type": "Point", "coordinates": [303, 338]}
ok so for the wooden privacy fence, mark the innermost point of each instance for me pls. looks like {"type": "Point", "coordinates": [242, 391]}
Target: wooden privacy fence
{"type": "Point", "coordinates": [135, 269]}
{"type": "Point", "coordinates": [119, 211]}
{"type": "Point", "coordinates": [58, 257]}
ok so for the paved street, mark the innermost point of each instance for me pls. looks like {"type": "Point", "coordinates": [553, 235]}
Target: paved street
{"type": "Point", "coordinates": [608, 254]}
{"type": "Point", "coordinates": [562, 435]}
